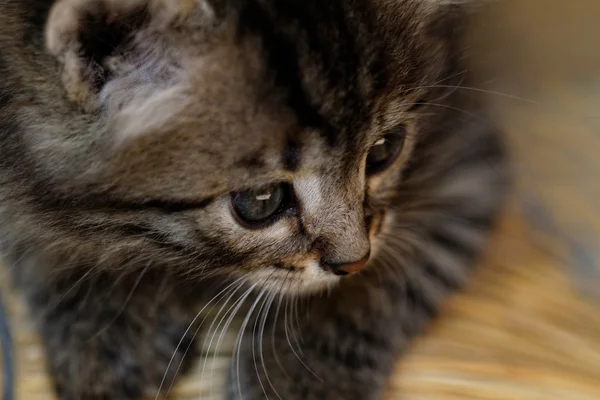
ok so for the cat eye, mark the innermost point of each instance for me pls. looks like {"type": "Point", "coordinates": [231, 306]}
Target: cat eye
{"type": "Point", "coordinates": [259, 207]}
{"type": "Point", "coordinates": [385, 150]}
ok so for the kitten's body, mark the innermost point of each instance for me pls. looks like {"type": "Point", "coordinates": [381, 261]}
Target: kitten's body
{"type": "Point", "coordinates": [116, 165]}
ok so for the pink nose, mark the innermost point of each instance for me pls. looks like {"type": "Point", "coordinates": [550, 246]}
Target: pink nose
{"type": "Point", "coordinates": [349, 268]}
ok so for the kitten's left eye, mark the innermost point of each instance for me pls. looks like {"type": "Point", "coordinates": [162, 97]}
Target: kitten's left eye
{"type": "Point", "coordinates": [258, 207]}
{"type": "Point", "coordinates": [385, 150]}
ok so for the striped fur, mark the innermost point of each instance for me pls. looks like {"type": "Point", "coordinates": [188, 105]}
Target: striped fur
{"type": "Point", "coordinates": [124, 127]}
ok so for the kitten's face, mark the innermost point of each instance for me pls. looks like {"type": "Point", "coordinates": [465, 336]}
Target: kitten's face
{"type": "Point", "coordinates": [272, 146]}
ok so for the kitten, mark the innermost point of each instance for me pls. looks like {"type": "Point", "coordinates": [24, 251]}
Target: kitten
{"type": "Point", "coordinates": [156, 153]}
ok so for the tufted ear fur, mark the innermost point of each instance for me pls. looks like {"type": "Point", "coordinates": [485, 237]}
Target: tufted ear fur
{"type": "Point", "coordinates": [100, 41]}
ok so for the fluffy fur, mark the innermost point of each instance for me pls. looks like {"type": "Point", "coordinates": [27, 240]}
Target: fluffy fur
{"type": "Point", "coordinates": [126, 124]}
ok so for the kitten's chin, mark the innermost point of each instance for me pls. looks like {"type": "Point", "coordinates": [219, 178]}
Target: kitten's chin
{"type": "Point", "coordinates": [296, 282]}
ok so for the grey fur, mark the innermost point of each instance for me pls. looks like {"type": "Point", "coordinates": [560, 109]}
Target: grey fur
{"type": "Point", "coordinates": [119, 157]}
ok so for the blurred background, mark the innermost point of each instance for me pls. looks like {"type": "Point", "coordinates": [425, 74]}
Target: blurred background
{"type": "Point", "coordinates": [539, 61]}
{"type": "Point", "coordinates": [528, 326]}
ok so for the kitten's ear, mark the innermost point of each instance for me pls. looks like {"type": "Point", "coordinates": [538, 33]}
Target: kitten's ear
{"type": "Point", "coordinates": [94, 39]}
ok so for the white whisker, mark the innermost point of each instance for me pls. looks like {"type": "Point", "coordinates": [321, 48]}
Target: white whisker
{"type": "Point", "coordinates": [274, 330]}
{"type": "Point", "coordinates": [238, 305]}
{"type": "Point", "coordinates": [125, 303]}
{"type": "Point", "coordinates": [240, 337]}
{"type": "Point", "coordinates": [259, 318]}
{"type": "Point", "coordinates": [218, 295]}
{"type": "Point", "coordinates": [475, 89]}
{"type": "Point", "coordinates": [261, 351]}
{"type": "Point", "coordinates": [287, 336]}
{"type": "Point", "coordinates": [215, 319]}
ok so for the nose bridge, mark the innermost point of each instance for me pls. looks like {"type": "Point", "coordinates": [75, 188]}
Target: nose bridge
{"type": "Point", "coordinates": [342, 233]}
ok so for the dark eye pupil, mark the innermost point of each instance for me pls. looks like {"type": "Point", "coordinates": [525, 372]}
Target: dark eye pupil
{"type": "Point", "coordinates": [258, 205]}
{"type": "Point", "coordinates": [380, 151]}
{"type": "Point", "coordinates": [385, 151]}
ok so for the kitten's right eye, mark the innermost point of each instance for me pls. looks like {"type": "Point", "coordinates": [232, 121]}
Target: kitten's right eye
{"type": "Point", "coordinates": [385, 151]}
{"type": "Point", "coordinates": [259, 207]}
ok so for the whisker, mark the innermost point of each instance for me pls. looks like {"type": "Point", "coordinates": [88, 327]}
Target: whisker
{"type": "Point", "coordinates": [77, 283]}
{"type": "Point", "coordinates": [295, 325]}
{"type": "Point", "coordinates": [287, 336]}
{"type": "Point", "coordinates": [237, 347]}
{"type": "Point", "coordinates": [232, 315]}
{"type": "Point", "coordinates": [125, 303]}
{"type": "Point", "coordinates": [223, 306]}
{"type": "Point", "coordinates": [261, 351]}
{"type": "Point", "coordinates": [274, 330]}
{"type": "Point", "coordinates": [481, 90]}
{"type": "Point", "coordinates": [240, 337]}
{"type": "Point", "coordinates": [229, 288]}
{"type": "Point", "coordinates": [472, 115]}
{"type": "Point", "coordinates": [257, 321]}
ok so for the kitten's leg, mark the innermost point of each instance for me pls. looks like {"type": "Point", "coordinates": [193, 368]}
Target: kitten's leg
{"type": "Point", "coordinates": [111, 339]}
{"type": "Point", "coordinates": [346, 344]}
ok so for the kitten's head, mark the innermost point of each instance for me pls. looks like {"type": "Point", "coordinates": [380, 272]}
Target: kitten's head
{"type": "Point", "coordinates": [258, 138]}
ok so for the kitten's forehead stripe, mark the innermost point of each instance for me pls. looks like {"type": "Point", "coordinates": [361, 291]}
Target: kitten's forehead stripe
{"type": "Point", "coordinates": [301, 43]}
{"type": "Point", "coordinates": [291, 154]}
{"type": "Point", "coordinates": [5, 95]}
{"type": "Point", "coordinates": [253, 160]}
{"type": "Point", "coordinates": [282, 60]}
{"type": "Point", "coordinates": [102, 202]}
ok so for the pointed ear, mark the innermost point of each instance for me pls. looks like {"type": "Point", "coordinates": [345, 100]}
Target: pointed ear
{"type": "Point", "coordinates": [94, 40]}
{"type": "Point", "coordinates": [83, 35]}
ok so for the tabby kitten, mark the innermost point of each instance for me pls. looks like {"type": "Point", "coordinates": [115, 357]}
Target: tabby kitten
{"type": "Point", "coordinates": [156, 153]}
